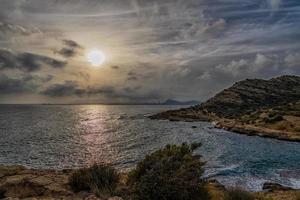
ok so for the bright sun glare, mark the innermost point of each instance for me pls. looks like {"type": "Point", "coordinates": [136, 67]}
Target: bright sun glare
{"type": "Point", "coordinates": [96, 57]}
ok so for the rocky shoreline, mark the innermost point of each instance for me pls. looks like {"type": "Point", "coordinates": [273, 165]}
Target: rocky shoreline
{"type": "Point", "coordinates": [237, 127]}
{"type": "Point", "coordinates": [265, 108]}
{"type": "Point", "coordinates": [252, 130]}
{"type": "Point", "coordinates": [18, 182]}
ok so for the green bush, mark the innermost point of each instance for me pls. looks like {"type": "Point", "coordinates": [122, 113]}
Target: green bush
{"type": "Point", "coordinates": [238, 194]}
{"type": "Point", "coordinates": [97, 178]}
{"type": "Point", "coordinates": [172, 173]}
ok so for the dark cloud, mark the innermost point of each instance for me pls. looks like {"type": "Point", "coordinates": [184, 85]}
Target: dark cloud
{"type": "Point", "coordinates": [132, 76]}
{"type": "Point", "coordinates": [38, 79]}
{"type": "Point", "coordinates": [72, 44]}
{"type": "Point", "coordinates": [115, 67]}
{"type": "Point", "coordinates": [8, 30]}
{"type": "Point", "coordinates": [68, 88]}
{"type": "Point", "coordinates": [27, 61]}
{"type": "Point", "coordinates": [67, 52]}
{"type": "Point", "coordinates": [72, 88]}
{"type": "Point", "coordinates": [24, 84]}
{"type": "Point", "coordinates": [11, 85]}
{"type": "Point", "coordinates": [72, 49]}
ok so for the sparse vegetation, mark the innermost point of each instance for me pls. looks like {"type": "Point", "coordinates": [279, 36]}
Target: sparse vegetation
{"type": "Point", "coordinates": [172, 173]}
{"type": "Point", "coordinates": [238, 194]}
{"type": "Point", "coordinates": [273, 117]}
{"type": "Point", "coordinates": [99, 179]}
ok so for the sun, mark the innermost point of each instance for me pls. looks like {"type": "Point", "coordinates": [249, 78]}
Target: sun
{"type": "Point", "coordinates": [95, 57]}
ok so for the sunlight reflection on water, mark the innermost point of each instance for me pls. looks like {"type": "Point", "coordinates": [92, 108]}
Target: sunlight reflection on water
{"type": "Point", "coordinates": [76, 136]}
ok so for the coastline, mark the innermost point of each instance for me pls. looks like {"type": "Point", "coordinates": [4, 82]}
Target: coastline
{"type": "Point", "coordinates": [228, 124]}
{"type": "Point", "coordinates": [19, 182]}
{"type": "Point", "coordinates": [252, 130]}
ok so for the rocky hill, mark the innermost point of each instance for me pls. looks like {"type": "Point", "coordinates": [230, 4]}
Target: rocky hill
{"type": "Point", "coordinates": [252, 94]}
{"type": "Point", "coordinates": [250, 106]}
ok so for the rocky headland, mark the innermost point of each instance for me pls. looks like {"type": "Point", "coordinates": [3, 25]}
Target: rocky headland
{"type": "Point", "coordinates": [267, 108]}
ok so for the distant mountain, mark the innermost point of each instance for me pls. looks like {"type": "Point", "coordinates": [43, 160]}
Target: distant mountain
{"type": "Point", "coordinates": [175, 102]}
{"type": "Point", "coordinates": [253, 106]}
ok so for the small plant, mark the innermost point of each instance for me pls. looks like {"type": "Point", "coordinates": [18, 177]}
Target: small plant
{"type": "Point", "coordinates": [172, 173]}
{"type": "Point", "coordinates": [238, 194]}
{"type": "Point", "coordinates": [272, 118]}
{"type": "Point", "coordinates": [97, 179]}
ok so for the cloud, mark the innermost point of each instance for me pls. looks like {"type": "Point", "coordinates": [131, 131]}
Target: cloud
{"type": "Point", "coordinates": [72, 44]}
{"type": "Point", "coordinates": [72, 88]}
{"type": "Point", "coordinates": [132, 76]}
{"type": "Point", "coordinates": [274, 4]}
{"type": "Point", "coordinates": [110, 93]}
{"type": "Point", "coordinates": [66, 52]}
{"type": "Point", "coordinates": [82, 75]}
{"type": "Point", "coordinates": [24, 84]}
{"type": "Point", "coordinates": [8, 30]}
{"type": "Point", "coordinates": [191, 48]}
{"type": "Point", "coordinates": [68, 88]}
{"type": "Point", "coordinates": [292, 60]}
{"type": "Point", "coordinates": [72, 49]}
{"type": "Point", "coordinates": [27, 61]}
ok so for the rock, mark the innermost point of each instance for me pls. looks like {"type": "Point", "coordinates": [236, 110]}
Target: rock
{"type": "Point", "coordinates": [216, 184]}
{"type": "Point", "coordinates": [15, 179]}
{"type": "Point", "coordinates": [41, 180]}
{"type": "Point", "coordinates": [10, 170]}
{"type": "Point", "coordinates": [274, 187]}
{"type": "Point", "coordinates": [115, 198]}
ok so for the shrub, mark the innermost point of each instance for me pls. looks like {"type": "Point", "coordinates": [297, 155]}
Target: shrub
{"type": "Point", "coordinates": [98, 179]}
{"type": "Point", "coordinates": [172, 173]}
{"type": "Point", "coordinates": [238, 194]}
{"type": "Point", "coordinates": [272, 118]}
{"type": "Point", "coordinates": [2, 194]}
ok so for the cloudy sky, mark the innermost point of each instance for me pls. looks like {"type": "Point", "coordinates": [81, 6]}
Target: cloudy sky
{"type": "Point", "coordinates": [154, 50]}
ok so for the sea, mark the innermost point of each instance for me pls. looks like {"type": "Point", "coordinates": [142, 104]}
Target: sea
{"type": "Point", "coordinates": [73, 136]}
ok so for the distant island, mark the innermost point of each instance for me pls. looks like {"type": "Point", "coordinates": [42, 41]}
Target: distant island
{"type": "Point", "coordinates": [166, 102]}
{"type": "Point", "coordinates": [267, 108]}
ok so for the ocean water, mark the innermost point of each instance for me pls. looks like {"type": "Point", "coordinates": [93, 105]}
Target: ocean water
{"type": "Point", "coordinates": [71, 136]}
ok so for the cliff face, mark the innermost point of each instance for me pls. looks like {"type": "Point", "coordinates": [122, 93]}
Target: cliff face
{"type": "Point", "coordinates": [252, 94]}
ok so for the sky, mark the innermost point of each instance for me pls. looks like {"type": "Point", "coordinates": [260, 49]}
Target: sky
{"type": "Point", "coordinates": [154, 50]}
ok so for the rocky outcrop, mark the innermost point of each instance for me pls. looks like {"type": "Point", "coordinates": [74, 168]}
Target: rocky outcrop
{"type": "Point", "coordinates": [269, 108]}
{"type": "Point", "coordinates": [17, 182]}
{"type": "Point", "coordinates": [271, 187]}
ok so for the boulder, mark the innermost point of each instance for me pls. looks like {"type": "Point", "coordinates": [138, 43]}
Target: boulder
{"type": "Point", "coordinates": [268, 186]}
